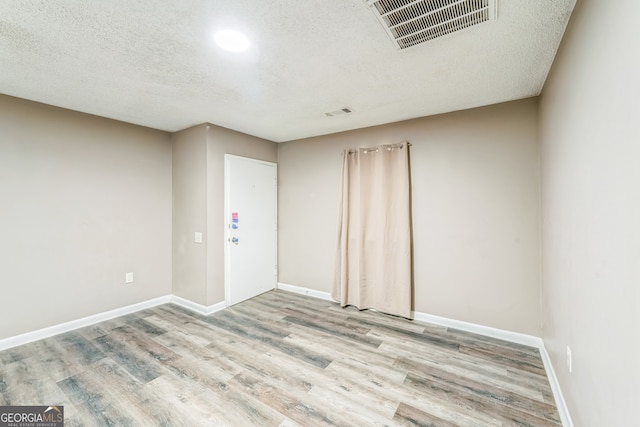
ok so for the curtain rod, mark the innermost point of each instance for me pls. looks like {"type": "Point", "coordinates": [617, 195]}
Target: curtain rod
{"type": "Point", "coordinates": [366, 150]}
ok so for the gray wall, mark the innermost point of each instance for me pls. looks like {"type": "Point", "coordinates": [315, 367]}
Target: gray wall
{"type": "Point", "coordinates": [189, 213]}
{"type": "Point", "coordinates": [84, 200]}
{"type": "Point", "coordinates": [476, 210]}
{"type": "Point", "coordinates": [590, 144]}
{"type": "Point", "coordinates": [198, 196]}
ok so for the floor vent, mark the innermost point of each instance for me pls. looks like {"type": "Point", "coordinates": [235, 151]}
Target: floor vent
{"type": "Point", "coordinates": [411, 22]}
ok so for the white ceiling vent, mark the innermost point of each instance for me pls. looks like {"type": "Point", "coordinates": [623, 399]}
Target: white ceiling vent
{"type": "Point", "coordinates": [340, 112]}
{"type": "Point", "coordinates": [411, 22]}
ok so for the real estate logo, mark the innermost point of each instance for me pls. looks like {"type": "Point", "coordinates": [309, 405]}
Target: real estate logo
{"type": "Point", "coordinates": [31, 416]}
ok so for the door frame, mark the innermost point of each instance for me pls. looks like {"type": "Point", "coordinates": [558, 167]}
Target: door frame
{"type": "Point", "coordinates": [227, 221]}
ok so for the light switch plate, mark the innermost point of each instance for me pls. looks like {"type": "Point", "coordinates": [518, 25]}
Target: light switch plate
{"type": "Point", "coordinates": [128, 278]}
{"type": "Point", "coordinates": [198, 237]}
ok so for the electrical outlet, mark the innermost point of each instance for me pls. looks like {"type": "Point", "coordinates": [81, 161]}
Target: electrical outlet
{"type": "Point", "coordinates": [569, 360]}
{"type": "Point", "coordinates": [128, 278]}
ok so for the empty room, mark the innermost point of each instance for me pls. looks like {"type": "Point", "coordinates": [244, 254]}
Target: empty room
{"type": "Point", "coordinates": [447, 195]}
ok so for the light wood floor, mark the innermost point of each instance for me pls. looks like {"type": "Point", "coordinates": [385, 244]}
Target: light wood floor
{"type": "Point", "coordinates": [279, 359]}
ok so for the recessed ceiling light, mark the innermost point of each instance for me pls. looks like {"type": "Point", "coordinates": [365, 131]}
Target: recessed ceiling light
{"type": "Point", "coordinates": [231, 40]}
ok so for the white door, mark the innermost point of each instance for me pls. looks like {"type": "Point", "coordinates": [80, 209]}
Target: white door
{"type": "Point", "coordinates": [251, 224]}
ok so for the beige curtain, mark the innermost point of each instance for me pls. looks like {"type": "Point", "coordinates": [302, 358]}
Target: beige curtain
{"type": "Point", "coordinates": [373, 259]}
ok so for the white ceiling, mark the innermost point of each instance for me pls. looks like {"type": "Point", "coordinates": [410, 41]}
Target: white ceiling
{"type": "Point", "coordinates": [154, 63]}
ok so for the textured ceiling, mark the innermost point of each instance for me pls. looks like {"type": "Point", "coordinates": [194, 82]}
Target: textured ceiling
{"type": "Point", "coordinates": [154, 63]}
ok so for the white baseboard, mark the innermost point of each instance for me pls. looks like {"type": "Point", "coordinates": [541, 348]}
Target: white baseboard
{"type": "Point", "coordinates": [107, 315]}
{"type": "Point", "coordinates": [563, 410]}
{"type": "Point", "coordinates": [80, 323]}
{"type": "Point", "coordinates": [487, 331]}
{"type": "Point", "coordinates": [515, 337]}
{"type": "Point", "coordinates": [198, 308]}
{"type": "Point", "coordinates": [305, 291]}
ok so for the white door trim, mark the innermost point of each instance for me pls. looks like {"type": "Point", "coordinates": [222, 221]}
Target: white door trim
{"type": "Point", "coordinates": [227, 230]}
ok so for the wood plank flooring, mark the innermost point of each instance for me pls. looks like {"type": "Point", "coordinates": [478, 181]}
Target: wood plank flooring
{"type": "Point", "coordinates": [279, 359]}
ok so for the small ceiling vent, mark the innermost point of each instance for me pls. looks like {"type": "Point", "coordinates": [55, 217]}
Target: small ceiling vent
{"type": "Point", "coordinates": [411, 22]}
{"type": "Point", "coordinates": [340, 112]}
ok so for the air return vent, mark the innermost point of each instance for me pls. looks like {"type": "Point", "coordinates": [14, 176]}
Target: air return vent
{"type": "Point", "coordinates": [411, 22]}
